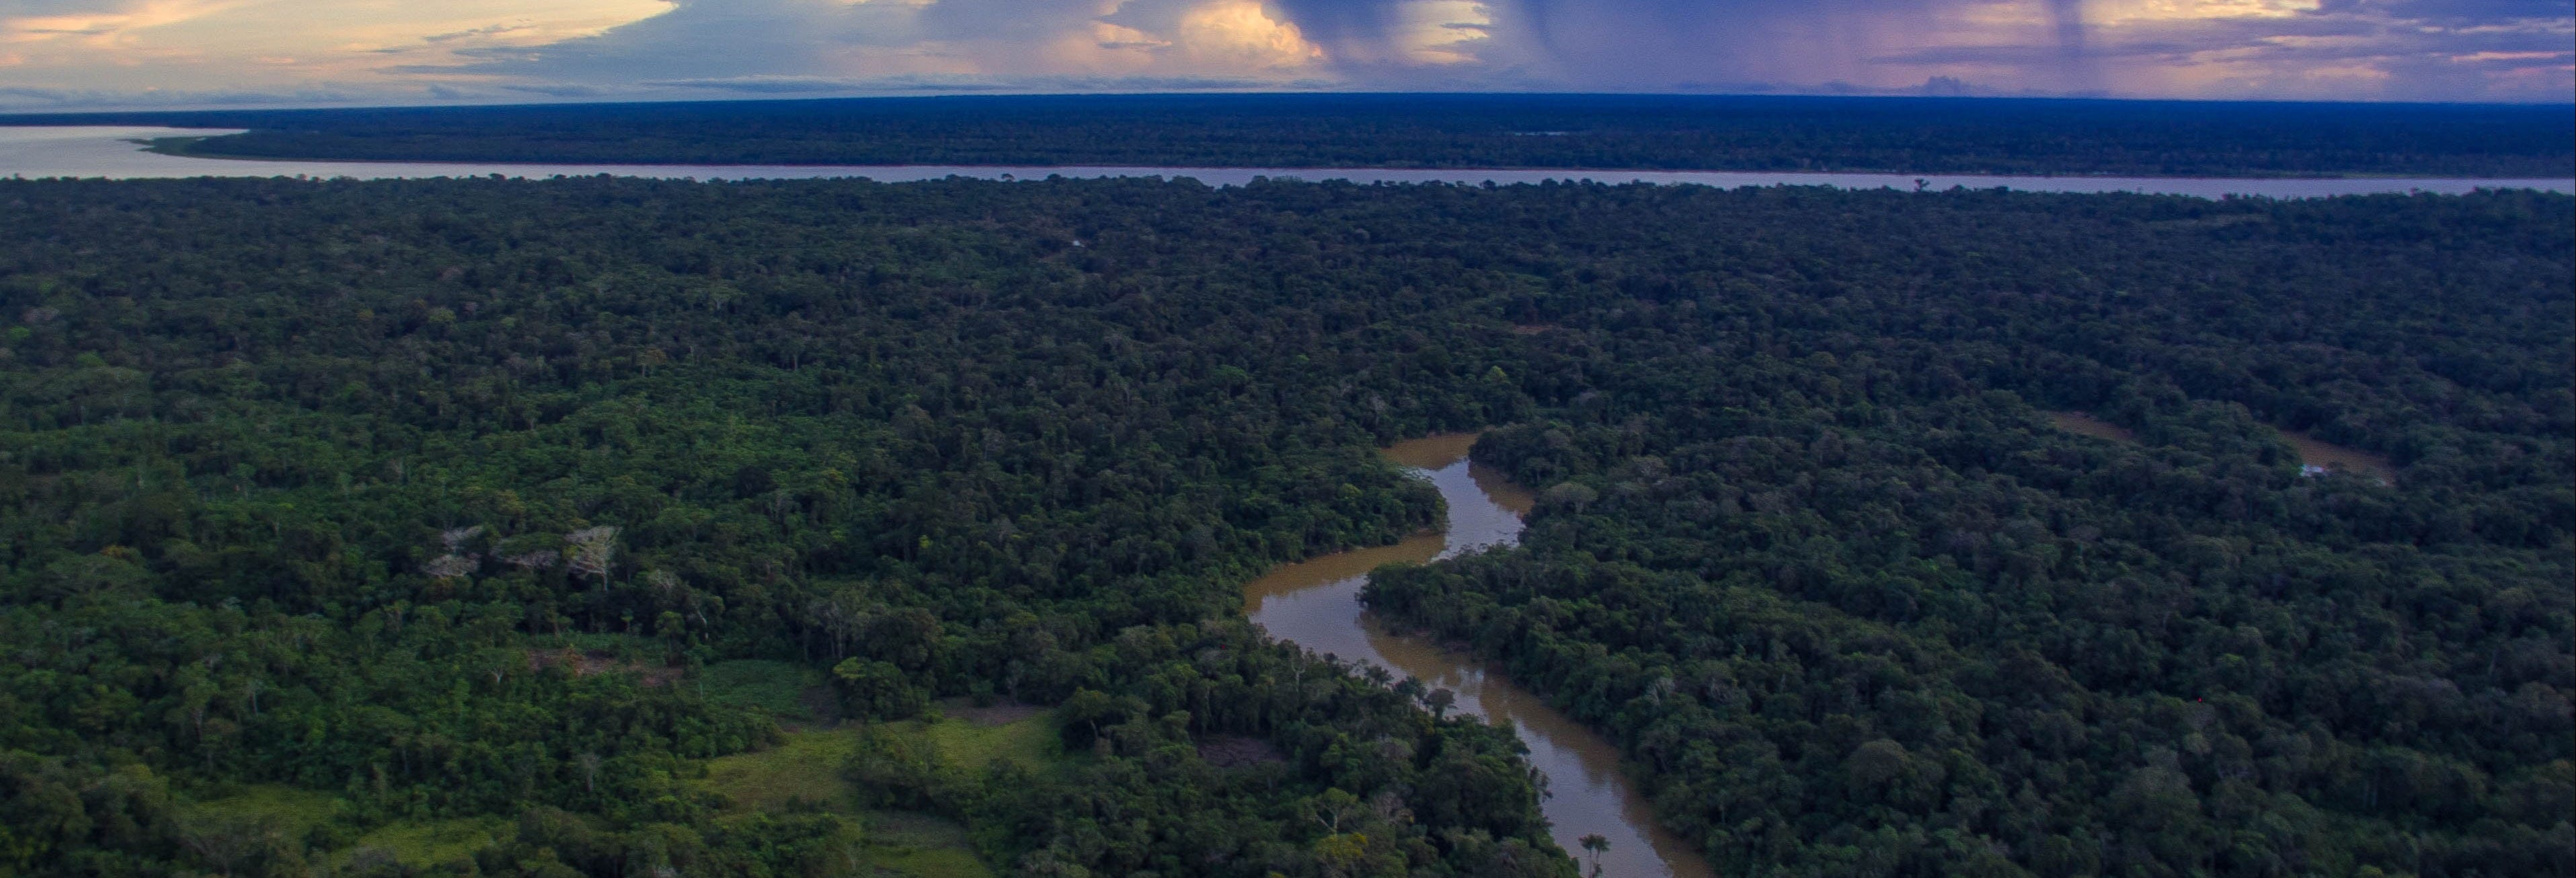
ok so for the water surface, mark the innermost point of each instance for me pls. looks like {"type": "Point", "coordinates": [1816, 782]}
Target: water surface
{"type": "Point", "coordinates": [110, 151]}
{"type": "Point", "coordinates": [1316, 604]}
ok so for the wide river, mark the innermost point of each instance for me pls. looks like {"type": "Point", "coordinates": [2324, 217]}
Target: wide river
{"type": "Point", "coordinates": [1316, 604]}
{"type": "Point", "coordinates": [111, 151]}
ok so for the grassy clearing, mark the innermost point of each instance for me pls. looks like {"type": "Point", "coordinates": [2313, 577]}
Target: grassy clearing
{"type": "Point", "coordinates": [805, 768]}
{"type": "Point", "coordinates": [422, 844]}
{"type": "Point", "coordinates": [1030, 743]}
{"type": "Point", "coordinates": [294, 813]}
{"type": "Point", "coordinates": [287, 809]}
{"type": "Point", "coordinates": [774, 687]}
{"type": "Point", "coordinates": [921, 845]}
{"type": "Point", "coordinates": [928, 862]}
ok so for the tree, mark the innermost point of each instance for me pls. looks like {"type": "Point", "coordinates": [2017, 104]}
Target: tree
{"type": "Point", "coordinates": [593, 550]}
{"type": "Point", "coordinates": [876, 689]}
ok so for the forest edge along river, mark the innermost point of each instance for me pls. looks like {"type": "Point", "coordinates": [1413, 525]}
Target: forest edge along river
{"type": "Point", "coordinates": [1315, 604]}
{"type": "Point", "coordinates": [119, 152]}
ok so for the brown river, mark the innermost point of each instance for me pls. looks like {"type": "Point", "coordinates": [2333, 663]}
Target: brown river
{"type": "Point", "coordinates": [1316, 604]}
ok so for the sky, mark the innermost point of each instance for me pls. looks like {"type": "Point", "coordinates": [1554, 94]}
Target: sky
{"type": "Point", "coordinates": [107, 54]}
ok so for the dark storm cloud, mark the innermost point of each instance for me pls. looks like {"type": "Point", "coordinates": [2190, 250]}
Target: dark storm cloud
{"type": "Point", "coordinates": [2456, 12]}
{"type": "Point", "coordinates": [791, 45]}
{"type": "Point", "coordinates": [2068, 16]}
{"type": "Point", "coordinates": [2386, 51]}
{"type": "Point", "coordinates": [1658, 43]}
{"type": "Point", "coordinates": [1356, 28]}
{"type": "Point", "coordinates": [2427, 45]}
{"type": "Point", "coordinates": [954, 84]}
{"type": "Point", "coordinates": [2063, 46]}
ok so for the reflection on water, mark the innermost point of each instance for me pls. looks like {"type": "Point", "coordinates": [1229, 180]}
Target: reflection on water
{"type": "Point", "coordinates": [1316, 605]}
{"type": "Point", "coordinates": [107, 151]}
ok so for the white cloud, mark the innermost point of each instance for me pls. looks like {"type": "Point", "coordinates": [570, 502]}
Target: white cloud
{"type": "Point", "coordinates": [157, 48]}
{"type": "Point", "coordinates": [1240, 31]}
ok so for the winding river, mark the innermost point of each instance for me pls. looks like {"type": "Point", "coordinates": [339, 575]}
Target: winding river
{"type": "Point", "coordinates": [113, 152]}
{"type": "Point", "coordinates": [1316, 604]}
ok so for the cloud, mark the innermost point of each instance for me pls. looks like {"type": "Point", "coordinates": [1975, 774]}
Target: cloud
{"type": "Point", "coordinates": [1241, 30]}
{"type": "Point", "coordinates": [826, 46]}
{"type": "Point", "coordinates": [26, 99]}
{"type": "Point", "coordinates": [976, 84]}
{"type": "Point", "coordinates": [2359, 51]}
{"type": "Point", "coordinates": [101, 24]}
{"type": "Point", "coordinates": [582, 49]}
{"type": "Point", "coordinates": [2332, 49]}
{"type": "Point", "coordinates": [237, 52]}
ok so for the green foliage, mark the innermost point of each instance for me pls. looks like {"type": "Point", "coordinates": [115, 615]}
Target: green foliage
{"type": "Point", "coordinates": [430, 843]}
{"type": "Point", "coordinates": [291, 810]}
{"type": "Point", "coordinates": [1028, 743]}
{"type": "Point", "coordinates": [877, 689]}
{"type": "Point", "coordinates": [501, 587]}
{"type": "Point", "coordinates": [773, 687]}
{"type": "Point", "coordinates": [797, 774]}
{"type": "Point", "coordinates": [920, 845]}
{"type": "Point", "coordinates": [455, 500]}
{"type": "Point", "coordinates": [1851, 608]}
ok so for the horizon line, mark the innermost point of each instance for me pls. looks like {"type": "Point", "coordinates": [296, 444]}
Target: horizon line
{"type": "Point", "coordinates": [996, 95]}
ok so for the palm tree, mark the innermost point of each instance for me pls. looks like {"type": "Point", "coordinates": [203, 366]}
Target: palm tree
{"type": "Point", "coordinates": [1597, 845]}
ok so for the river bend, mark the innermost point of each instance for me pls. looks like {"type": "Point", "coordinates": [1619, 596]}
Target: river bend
{"type": "Point", "coordinates": [1316, 605]}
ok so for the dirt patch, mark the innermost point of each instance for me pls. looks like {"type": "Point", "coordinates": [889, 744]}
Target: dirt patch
{"type": "Point", "coordinates": [585, 664]}
{"type": "Point", "coordinates": [999, 713]}
{"type": "Point", "coordinates": [2083, 424]}
{"type": "Point", "coordinates": [2320, 457]}
{"type": "Point", "coordinates": [1237, 751]}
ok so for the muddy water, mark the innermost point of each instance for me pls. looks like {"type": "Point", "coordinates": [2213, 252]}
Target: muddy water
{"type": "Point", "coordinates": [1316, 605]}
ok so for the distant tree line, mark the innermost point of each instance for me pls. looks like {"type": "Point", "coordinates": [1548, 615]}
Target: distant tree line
{"type": "Point", "coordinates": [1900, 135]}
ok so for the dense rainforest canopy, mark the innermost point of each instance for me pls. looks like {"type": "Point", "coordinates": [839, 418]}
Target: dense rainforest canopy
{"type": "Point", "coordinates": [1685, 132]}
{"type": "Point", "coordinates": [309, 486]}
